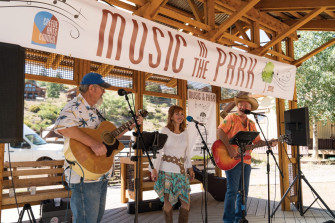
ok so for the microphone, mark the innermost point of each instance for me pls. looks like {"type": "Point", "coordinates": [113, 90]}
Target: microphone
{"type": "Point", "coordinates": [190, 119]}
{"type": "Point", "coordinates": [122, 92]}
{"type": "Point", "coordinates": [247, 112]}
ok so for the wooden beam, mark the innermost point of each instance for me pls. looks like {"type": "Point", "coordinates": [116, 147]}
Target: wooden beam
{"type": "Point", "coordinates": [150, 9]}
{"type": "Point", "coordinates": [255, 15]}
{"type": "Point", "coordinates": [330, 13]}
{"type": "Point", "coordinates": [255, 34]}
{"type": "Point", "coordinates": [172, 83]}
{"type": "Point", "coordinates": [172, 14]}
{"type": "Point", "coordinates": [315, 25]}
{"type": "Point", "coordinates": [282, 153]}
{"type": "Point", "coordinates": [281, 55]}
{"type": "Point", "coordinates": [199, 15]}
{"type": "Point", "coordinates": [57, 61]}
{"type": "Point", "coordinates": [147, 75]}
{"type": "Point", "coordinates": [178, 25]}
{"type": "Point", "coordinates": [296, 5]}
{"type": "Point", "coordinates": [262, 51]}
{"type": "Point", "coordinates": [122, 4]}
{"type": "Point", "coordinates": [296, 14]}
{"type": "Point", "coordinates": [244, 8]}
{"type": "Point", "coordinates": [50, 60]}
{"type": "Point", "coordinates": [49, 79]}
{"type": "Point", "coordinates": [243, 41]}
{"type": "Point", "coordinates": [314, 52]}
{"type": "Point", "coordinates": [209, 13]}
{"type": "Point", "coordinates": [239, 27]}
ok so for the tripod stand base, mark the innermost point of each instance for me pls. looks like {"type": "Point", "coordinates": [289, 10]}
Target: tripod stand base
{"type": "Point", "coordinates": [27, 208]}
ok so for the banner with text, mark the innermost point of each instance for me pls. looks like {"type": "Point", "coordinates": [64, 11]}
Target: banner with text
{"type": "Point", "coordinates": [94, 31]}
{"type": "Point", "coordinates": [202, 108]}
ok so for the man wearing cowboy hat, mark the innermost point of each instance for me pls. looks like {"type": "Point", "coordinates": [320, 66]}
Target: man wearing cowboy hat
{"type": "Point", "coordinates": [232, 124]}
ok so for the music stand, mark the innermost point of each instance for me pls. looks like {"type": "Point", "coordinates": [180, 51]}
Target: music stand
{"type": "Point", "coordinates": [243, 138]}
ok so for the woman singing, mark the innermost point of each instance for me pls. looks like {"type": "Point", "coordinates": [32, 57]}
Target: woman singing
{"type": "Point", "coordinates": [171, 165]}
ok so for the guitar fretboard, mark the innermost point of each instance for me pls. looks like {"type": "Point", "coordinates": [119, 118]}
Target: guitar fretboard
{"type": "Point", "coordinates": [123, 127]}
{"type": "Point", "coordinates": [260, 144]}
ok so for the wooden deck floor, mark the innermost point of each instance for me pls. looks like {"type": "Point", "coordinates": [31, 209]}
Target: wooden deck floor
{"type": "Point", "coordinates": [116, 212]}
{"type": "Point", "coordinates": [256, 211]}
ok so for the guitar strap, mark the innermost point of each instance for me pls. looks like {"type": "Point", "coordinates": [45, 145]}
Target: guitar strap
{"type": "Point", "coordinates": [100, 115]}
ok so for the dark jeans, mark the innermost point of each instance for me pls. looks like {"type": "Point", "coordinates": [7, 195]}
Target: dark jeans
{"type": "Point", "coordinates": [233, 200]}
{"type": "Point", "coordinates": [88, 201]}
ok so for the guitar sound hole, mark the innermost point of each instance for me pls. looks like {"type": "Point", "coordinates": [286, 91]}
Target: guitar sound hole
{"type": "Point", "coordinates": [108, 139]}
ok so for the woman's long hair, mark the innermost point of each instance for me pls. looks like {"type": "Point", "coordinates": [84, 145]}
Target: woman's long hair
{"type": "Point", "coordinates": [173, 109]}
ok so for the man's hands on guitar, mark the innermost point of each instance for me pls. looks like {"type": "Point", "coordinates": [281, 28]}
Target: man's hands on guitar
{"type": "Point", "coordinates": [99, 149]}
{"type": "Point", "coordinates": [139, 121]}
{"type": "Point", "coordinates": [232, 152]}
{"type": "Point", "coordinates": [273, 142]}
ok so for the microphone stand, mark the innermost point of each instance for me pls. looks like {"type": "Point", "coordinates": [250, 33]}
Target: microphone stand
{"type": "Point", "coordinates": [268, 151]}
{"type": "Point", "coordinates": [205, 179]}
{"type": "Point", "coordinates": [137, 158]}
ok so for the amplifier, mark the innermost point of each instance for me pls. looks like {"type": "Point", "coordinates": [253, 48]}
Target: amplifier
{"type": "Point", "coordinates": [55, 212]}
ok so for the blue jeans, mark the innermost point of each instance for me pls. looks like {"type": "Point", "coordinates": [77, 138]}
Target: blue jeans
{"type": "Point", "coordinates": [233, 200]}
{"type": "Point", "coordinates": [88, 201]}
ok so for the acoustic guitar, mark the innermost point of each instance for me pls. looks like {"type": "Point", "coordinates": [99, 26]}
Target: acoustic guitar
{"type": "Point", "coordinates": [224, 161]}
{"type": "Point", "coordinates": [87, 164]}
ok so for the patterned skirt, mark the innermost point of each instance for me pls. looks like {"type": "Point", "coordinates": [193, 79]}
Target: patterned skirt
{"type": "Point", "coordinates": [176, 185]}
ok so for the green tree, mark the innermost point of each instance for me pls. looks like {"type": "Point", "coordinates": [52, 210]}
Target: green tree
{"type": "Point", "coordinates": [115, 108]}
{"type": "Point", "coordinates": [53, 90]}
{"type": "Point", "coordinates": [315, 80]}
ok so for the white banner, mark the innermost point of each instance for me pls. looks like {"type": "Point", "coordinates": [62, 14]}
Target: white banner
{"type": "Point", "coordinates": [94, 31]}
{"type": "Point", "coordinates": [201, 107]}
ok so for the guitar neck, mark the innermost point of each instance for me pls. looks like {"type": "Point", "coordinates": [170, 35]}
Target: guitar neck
{"type": "Point", "coordinates": [123, 127]}
{"type": "Point", "coordinates": [260, 144]}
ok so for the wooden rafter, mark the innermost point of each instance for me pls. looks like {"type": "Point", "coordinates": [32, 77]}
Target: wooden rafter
{"type": "Point", "coordinates": [59, 58]}
{"type": "Point", "coordinates": [50, 60]}
{"type": "Point", "coordinates": [240, 28]}
{"type": "Point", "coordinates": [293, 5]}
{"type": "Point", "coordinates": [330, 13]}
{"type": "Point", "coordinates": [314, 52]}
{"type": "Point", "coordinates": [150, 9]}
{"type": "Point", "coordinates": [257, 16]}
{"type": "Point", "coordinates": [198, 14]}
{"type": "Point", "coordinates": [172, 83]}
{"type": "Point", "coordinates": [237, 39]}
{"type": "Point", "coordinates": [244, 8]}
{"type": "Point", "coordinates": [262, 51]}
{"type": "Point", "coordinates": [209, 12]}
{"type": "Point", "coordinates": [148, 75]}
{"type": "Point", "coordinates": [315, 25]}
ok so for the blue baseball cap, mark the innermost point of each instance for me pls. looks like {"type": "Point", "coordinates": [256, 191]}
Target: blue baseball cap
{"type": "Point", "coordinates": [94, 78]}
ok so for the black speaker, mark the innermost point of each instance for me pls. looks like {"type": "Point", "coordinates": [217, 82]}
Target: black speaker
{"type": "Point", "coordinates": [12, 60]}
{"type": "Point", "coordinates": [297, 126]}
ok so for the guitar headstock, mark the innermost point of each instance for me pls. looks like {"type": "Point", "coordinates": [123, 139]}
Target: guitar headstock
{"type": "Point", "coordinates": [143, 113]}
{"type": "Point", "coordinates": [283, 138]}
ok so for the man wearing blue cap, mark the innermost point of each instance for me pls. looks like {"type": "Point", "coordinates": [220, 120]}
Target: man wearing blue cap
{"type": "Point", "coordinates": [88, 197]}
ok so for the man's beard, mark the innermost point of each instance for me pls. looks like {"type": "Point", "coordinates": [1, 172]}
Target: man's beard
{"type": "Point", "coordinates": [99, 102]}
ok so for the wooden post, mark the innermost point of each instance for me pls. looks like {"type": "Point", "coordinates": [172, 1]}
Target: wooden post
{"type": "Point", "coordinates": [81, 67]}
{"type": "Point", "coordinates": [2, 152]}
{"type": "Point", "coordinates": [217, 91]}
{"type": "Point", "coordinates": [139, 86]}
{"type": "Point", "coordinates": [282, 150]}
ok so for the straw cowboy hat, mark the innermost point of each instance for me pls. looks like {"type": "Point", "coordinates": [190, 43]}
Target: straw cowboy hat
{"type": "Point", "coordinates": [253, 102]}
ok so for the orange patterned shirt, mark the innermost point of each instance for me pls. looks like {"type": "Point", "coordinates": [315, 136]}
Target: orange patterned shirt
{"type": "Point", "coordinates": [232, 124]}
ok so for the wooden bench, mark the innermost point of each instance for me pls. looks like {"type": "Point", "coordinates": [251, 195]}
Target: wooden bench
{"type": "Point", "coordinates": [46, 176]}
{"type": "Point", "coordinates": [128, 166]}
